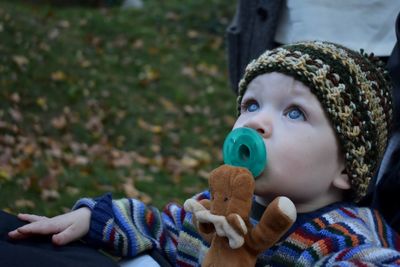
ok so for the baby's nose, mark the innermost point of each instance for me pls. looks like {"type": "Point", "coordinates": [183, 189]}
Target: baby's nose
{"type": "Point", "coordinates": [264, 129]}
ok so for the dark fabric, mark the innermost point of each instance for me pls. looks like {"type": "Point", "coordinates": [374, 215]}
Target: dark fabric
{"type": "Point", "coordinates": [394, 71]}
{"type": "Point", "coordinates": [250, 33]}
{"type": "Point", "coordinates": [386, 197]}
{"type": "Point", "coordinates": [384, 192]}
{"type": "Point", "coordinates": [160, 259]}
{"type": "Point", "coordinates": [40, 252]}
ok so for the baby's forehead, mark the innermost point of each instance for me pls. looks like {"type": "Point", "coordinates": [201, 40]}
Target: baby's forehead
{"type": "Point", "coordinates": [280, 81]}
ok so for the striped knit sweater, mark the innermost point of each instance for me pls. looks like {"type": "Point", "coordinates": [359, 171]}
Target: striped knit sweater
{"type": "Point", "coordinates": [343, 236]}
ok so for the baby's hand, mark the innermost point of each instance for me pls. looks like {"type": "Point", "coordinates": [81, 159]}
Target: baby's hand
{"type": "Point", "coordinates": [65, 228]}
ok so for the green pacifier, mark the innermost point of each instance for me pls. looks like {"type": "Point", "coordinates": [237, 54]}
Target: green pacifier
{"type": "Point", "coordinates": [244, 147]}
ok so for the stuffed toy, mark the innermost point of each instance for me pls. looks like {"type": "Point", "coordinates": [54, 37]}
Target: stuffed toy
{"type": "Point", "coordinates": [224, 219]}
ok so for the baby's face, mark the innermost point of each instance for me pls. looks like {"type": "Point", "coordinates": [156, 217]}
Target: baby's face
{"type": "Point", "coordinates": [304, 160]}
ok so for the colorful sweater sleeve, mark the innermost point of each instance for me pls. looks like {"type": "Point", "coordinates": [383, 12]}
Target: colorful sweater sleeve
{"type": "Point", "coordinates": [362, 242]}
{"type": "Point", "coordinates": [345, 237]}
{"type": "Point", "coordinates": [127, 227]}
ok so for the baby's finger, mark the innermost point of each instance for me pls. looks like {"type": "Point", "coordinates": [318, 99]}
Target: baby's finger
{"type": "Point", "coordinates": [17, 235]}
{"type": "Point", "coordinates": [68, 235]}
{"type": "Point", "coordinates": [41, 227]}
{"type": "Point", "coordinates": [31, 217]}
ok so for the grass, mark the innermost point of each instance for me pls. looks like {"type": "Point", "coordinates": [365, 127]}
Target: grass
{"type": "Point", "coordinates": [133, 102]}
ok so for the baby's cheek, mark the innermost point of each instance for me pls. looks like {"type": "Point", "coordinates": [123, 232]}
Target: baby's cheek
{"type": "Point", "coordinates": [288, 159]}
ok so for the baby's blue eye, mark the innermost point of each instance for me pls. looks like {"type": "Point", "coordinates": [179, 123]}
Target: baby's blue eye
{"type": "Point", "coordinates": [294, 113]}
{"type": "Point", "coordinates": [250, 106]}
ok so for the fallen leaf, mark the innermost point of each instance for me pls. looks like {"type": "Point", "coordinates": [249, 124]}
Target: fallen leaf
{"type": "Point", "coordinates": [207, 69]}
{"type": "Point", "coordinates": [168, 105]}
{"type": "Point", "coordinates": [26, 182]}
{"type": "Point", "coordinates": [94, 124]}
{"type": "Point", "coordinates": [172, 16]}
{"type": "Point", "coordinates": [193, 34]}
{"type": "Point", "coordinates": [153, 50]}
{"type": "Point", "coordinates": [53, 34]}
{"type": "Point", "coordinates": [15, 114]}
{"type": "Point", "coordinates": [189, 109]}
{"type": "Point", "coordinates": [5, 173]}
{"type": "Point", "coordinates": [105, 187]}
{"type": "Point", "coordinates": [8, 140]}
{"type": "Point", "coordinates": [204, 174]}
{"type": "Point", "coordinates": [82, 22]}
{"type": "Point", "coordinates": [64, 24]}
{"type": "Point", "coordinates": [140, 159]}
{"type": "Point", "coordinates": [129, 189]}
{"type": "Point", "coordinates": [58, 76]}
{"type": "Point", "coordinates": [191, 189]}
{"type": "Point", "coordinates": [21, 61]}
{"type": "Point", "coordinates": [72, 191]}
{"type": "Point", "coordinates": [29, 149]}
{"type": "Point", "coordinates": [59, 122]}
{"type": "Point", "coordinates": [189, 162]}
{"type": "Point", "coordinates": [15, 98]}
{"type": "Point", "coordinates": [137, 44]}
{"type": "Point", "coordinates": [81, 160]}
{"type": "Point", "coordinates": [145, 198]}
{"type": "Point", "coordinates": [155, 148]}
{"type": "Point", "coordinates": [49, 195]}
{"type": "Point", "coordinates": [146, 126]}
{"type": "Point", "coordinates": [229, 120]}
{"type": "Point", "coordinates": [42, 102]}
{"type": "Point", "coordinates": [49, 182]}
{"type": "Point", "coordinates": [85, 63]}
{"type": "Point", "coordinates": [124, 161]}
{"type": "Point", "coordinates": [24, 203]}
{"type": "Point", "coordinates": [188, 71]}
{"type": "Point", "coordinates": [148, 75]}
{"type": "Point", "coordinates": [199, 154]}
{"type": "Point", "coordinates": [217, 43]}
{"type": "Point", "coordinates": [45, 47]}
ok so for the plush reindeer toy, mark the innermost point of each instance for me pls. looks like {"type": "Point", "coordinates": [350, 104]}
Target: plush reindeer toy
{"type": "Point", "coordinates": [224, 219]}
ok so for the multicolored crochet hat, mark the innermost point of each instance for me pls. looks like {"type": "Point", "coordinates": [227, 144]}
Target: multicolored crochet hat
{"type": "Point", "coordinates": [354, 92]}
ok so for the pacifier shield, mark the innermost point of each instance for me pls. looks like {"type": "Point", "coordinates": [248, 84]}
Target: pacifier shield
{"type": "Point", "coordinates": [244, 147]}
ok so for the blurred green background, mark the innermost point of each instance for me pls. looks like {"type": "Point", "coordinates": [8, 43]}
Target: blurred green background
{"type": "Point", "coordinates": [96, 98]}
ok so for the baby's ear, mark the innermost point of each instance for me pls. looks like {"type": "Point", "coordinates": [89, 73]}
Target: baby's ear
{"type": "Point", "coordinates": [342, 181]}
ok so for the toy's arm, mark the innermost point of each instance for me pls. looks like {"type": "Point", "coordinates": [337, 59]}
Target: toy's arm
{"type": "Point", "coordinates": [210, 222]}
{"type": "Point", "coordinates": [205, 227]}
{"type": "Point", "coordinates": [218, 222]}
{"type": "Point", "coordinates": [201, 211]}
{"type": "Point", "coordinates": [276, 220]}
{"type": "Point", "coordinates": [237, 223]}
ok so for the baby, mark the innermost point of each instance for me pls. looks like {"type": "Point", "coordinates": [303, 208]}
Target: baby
{"type": "Point", "coordinates": [324, 113]}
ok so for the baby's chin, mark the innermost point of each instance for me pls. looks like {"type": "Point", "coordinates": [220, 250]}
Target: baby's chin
{"type": "Point", "coordinates": [263, 189]}
{"type": "Point", "coordinates": [261, 181]}
{"type": "Point", "coordinates": [268, 189]}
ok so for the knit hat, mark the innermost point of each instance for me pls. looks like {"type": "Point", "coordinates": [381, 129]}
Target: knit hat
{"type": "Point", "coordinates": [353, 90]}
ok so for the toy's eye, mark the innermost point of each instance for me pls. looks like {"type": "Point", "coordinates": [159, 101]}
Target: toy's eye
{"type": "Point", "coordinates": [225, 199]}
